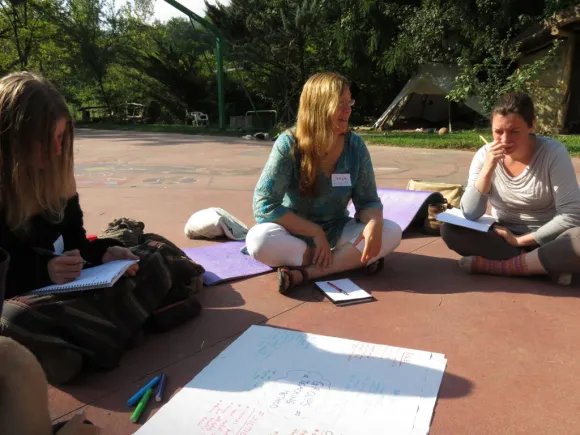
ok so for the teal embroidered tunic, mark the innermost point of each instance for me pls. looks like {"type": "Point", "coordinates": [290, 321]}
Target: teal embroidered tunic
{"type": "Point", "coordinates": [278, 192]}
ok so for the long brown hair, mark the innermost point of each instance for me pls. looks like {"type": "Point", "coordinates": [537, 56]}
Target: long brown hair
{"type": "Point", "coordinates": [30, 108]}
{"type": "Point", "coordinates": [314, 130]}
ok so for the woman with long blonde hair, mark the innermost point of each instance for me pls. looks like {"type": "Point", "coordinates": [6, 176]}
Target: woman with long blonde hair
{"type": "Point", "coordinates": [301, 199]}
{"type": "Point", "coordinates": [41, 229]}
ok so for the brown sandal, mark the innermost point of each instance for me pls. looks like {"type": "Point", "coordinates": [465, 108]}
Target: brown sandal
{"type": "Point", "coordinates": [286, 271]}
{"type": "Point", "coordinates": [376, 266]}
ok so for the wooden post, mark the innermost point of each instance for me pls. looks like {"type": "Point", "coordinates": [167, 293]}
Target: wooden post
{"type": "Point", "coordinates": [567, 76]}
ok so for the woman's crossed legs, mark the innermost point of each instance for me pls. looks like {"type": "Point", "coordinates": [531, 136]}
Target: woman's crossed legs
{"type": "Point", "coordinates": [273, 245]}
{"type": "Point", "coordinates": [488, 253]}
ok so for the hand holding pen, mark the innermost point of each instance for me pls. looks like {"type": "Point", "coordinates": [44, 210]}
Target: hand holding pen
{"type": "Point", "coordinates": [65, 267]}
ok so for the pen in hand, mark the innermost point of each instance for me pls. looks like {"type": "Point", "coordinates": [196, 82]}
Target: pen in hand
{"type": "Point", "coordinates": [337, 288]}
{"type": "Point", "coordinates": [48, 253]}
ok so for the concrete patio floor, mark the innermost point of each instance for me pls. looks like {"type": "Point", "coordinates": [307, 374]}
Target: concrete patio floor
{"type": "Point", "coordinates": [511, 344]}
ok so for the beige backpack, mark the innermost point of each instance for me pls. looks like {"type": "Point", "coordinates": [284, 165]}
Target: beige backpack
{"type": "Point", "coordinates": [451, 192]}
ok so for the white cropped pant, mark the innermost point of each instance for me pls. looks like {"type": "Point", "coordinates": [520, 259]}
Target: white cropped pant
{"type": "Point", "coordinates": [273, 245]}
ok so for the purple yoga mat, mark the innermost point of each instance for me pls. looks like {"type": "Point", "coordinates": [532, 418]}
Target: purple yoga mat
{"type": "Point", "coordinates": [401, 206]}
{"type": "Point", "coordinates": [224, 262]}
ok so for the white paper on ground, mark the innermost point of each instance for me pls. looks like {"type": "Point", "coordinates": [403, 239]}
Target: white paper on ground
{"type": "Point", "coordinates": [276, 381]}
{"type": "Point", "coordinates": [456, 217]}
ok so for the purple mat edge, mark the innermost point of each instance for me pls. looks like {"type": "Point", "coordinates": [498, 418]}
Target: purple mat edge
{"type": "Point", "coordinates": [423, 195]}
{"type": "Point", "coordinates": [211, 278]}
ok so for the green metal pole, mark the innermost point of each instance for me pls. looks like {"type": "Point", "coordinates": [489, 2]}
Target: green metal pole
{"type": "Point", "coordinates": [220, 81]}
{"type": "Point", "coordinates": [219, 54]}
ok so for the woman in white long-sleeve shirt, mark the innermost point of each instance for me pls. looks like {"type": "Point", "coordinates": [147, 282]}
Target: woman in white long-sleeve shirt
{"type": "Point", "coordinates": [531, 185]}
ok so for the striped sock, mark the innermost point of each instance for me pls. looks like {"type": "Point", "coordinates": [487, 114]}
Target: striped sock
{"type": "Point", "coordinates": [515, 266]}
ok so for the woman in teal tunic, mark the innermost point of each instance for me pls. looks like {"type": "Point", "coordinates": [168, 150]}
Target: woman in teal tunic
{"type": "Point", "coordinates": [301, 199]}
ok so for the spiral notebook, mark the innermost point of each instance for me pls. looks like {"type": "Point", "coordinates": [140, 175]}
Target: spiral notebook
{"type": "Point", "coordinates": [344, 292]}
{"type": "Point", "coordinates": [104, 275]}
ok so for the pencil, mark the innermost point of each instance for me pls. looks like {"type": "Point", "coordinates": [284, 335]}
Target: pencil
{"type": "Point", "coordinates": [483, 139]}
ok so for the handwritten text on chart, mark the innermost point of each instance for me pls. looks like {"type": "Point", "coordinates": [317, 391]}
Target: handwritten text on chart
{"type": "Point", "coordinates": [361, 351]}
{"type": "Point", "coordinates": [281, 340]}
{"type": "Point", "coordinates": [230, 418]}
{"type": "Point", "coordinates": [263, 376]}
{"type": "Point", "coordinates": [297, 394]}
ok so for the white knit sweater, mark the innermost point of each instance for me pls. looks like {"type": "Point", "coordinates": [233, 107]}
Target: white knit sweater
{"type": "Point", "coordinates": [543, 200]}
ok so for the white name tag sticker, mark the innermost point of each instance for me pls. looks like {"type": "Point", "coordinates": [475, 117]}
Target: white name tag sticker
{"type": "Point", "coordinates": [341, 180]}
{"type": "Point", "coordinates": [59, 245]}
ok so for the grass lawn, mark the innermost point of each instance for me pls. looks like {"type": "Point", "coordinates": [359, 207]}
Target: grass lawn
{"type": "Point", "coordinates": [465, 140]}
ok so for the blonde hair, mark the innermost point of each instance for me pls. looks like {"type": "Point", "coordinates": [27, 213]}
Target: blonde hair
{"type": "Point", "coordinates": [314, 133]}
{"type": "Point", "coordinates": [30, 108]}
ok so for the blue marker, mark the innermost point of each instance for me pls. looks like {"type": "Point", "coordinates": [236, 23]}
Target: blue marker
{"type": "Point", "coordinates": [135, 399]}
{"type": "Point", "coordinates": [160, 387]}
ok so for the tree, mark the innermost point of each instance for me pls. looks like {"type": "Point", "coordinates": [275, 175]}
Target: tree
{"type": "Point", "coordinates": [92, 26]}
{"type": "Point", "coordinates": [22, 27]}
{"type": "Point", "coordinates": [497, 73]}
{"type": "Point", "coordinates": [175, 56]}
{"type": "Point", "coordinates": [98, 54]}
{"type": "Point", "coordinates": [259, 45]}
{"type": "Point", "coordinates": [279, 44]}
{"type": "Point", "coordinates": [476, 35]}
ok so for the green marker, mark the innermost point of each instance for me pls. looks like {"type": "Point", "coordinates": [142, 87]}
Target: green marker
{"type": "Point", "coordinates": [141, 406]}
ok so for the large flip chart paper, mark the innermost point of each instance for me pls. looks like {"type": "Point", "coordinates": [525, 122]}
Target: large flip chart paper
{"type": "Point", "coordinates": [278, 382]}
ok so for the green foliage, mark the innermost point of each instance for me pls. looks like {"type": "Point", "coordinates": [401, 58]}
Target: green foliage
{"type": "Point", "coordinates": [93, 26]}
{"type": "Point", "coordinates": [496, 73]}
{"type": "Point", "coordinates": [552, 7]}
{"type": "Point", "coordinates": [465, 140]}
{"type": "Point", "coordinates": [279, 44]}
{"type": "Point", "coordinates": [153, 112]}
{"type": "Point", "coordinates": [23, 28]}
{"type": "Point", "coordinates": [276, 46]}
{"type": "Point", "coordinates": [475, 35]}
{"type": "Point", "coordinates": [100, 54]}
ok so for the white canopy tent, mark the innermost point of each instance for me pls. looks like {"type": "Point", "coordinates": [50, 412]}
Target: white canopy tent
{"type": "Point", "coordinates": [424, 96]}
